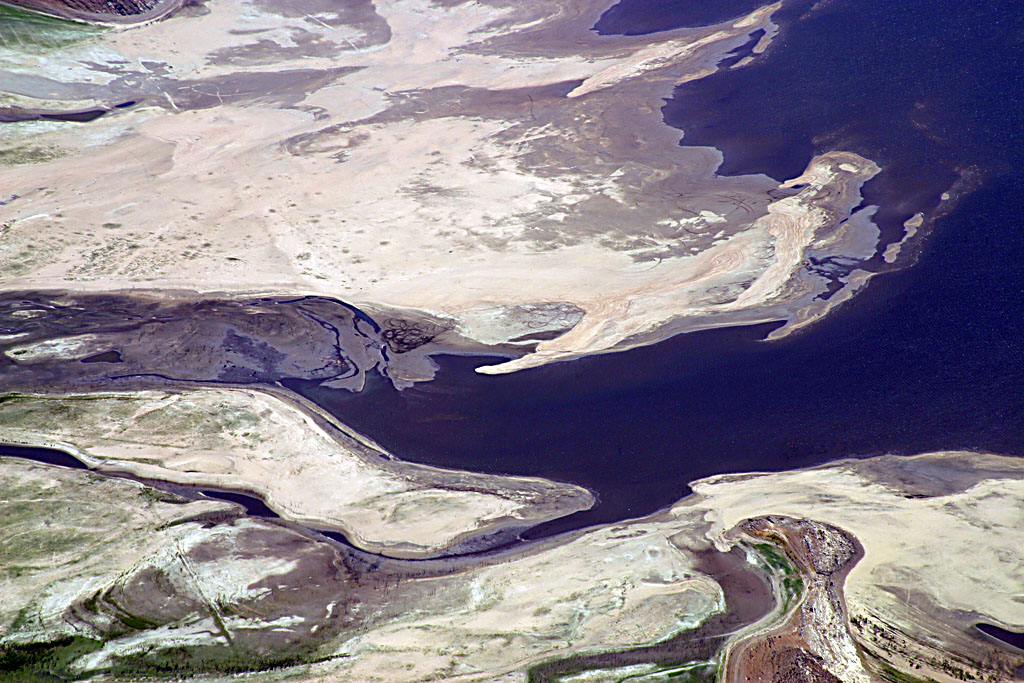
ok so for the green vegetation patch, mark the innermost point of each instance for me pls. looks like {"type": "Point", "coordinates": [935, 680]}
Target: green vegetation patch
{"type": "Point", "coordinates": [28, 154]}
{"type": "Point", "coordinates": [896, 676]}
{"type": "Point", "coordinates": [774, 558]}
{"type": "Point", "coordinates": [22, 30]}
{"type": "Point", "coordinates": [44, 662]}
{"type": "Point", "coordinates": [777, 562]}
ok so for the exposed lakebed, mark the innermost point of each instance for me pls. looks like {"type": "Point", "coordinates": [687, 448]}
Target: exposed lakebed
{"type": "Point", "coordinates": [927, 358]}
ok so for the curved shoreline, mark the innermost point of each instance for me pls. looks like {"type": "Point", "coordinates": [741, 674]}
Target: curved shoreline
{"type": "Point", "coordinates": [469, 499]}
{"type": "Point", "coordinates": [591, 209]}
{"type": "Point", "coordinates": [825, 497]}
{"type": "Point", "coordinates": [257, 507]}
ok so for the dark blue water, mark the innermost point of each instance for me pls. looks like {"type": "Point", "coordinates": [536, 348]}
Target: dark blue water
{"type": "Point", "coordinates": [47, 455]}
{"type": "Point", "coordinates": [928, 89]}
{"type": "Point", "coordinates": [1011, 638]}
{"type": "Point", "coordinates": [927, 358]}
{"type": "Point", "coordinates": [637, 17]}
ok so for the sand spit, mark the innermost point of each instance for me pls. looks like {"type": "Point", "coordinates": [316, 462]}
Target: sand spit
{"type": "Point", "coordinates": [812, 643]}
{"type": "Point", "coordinates": [857, 600]}
{"type": "Point", "coordinates": [868, 598]}
{"type": "Point", "coordinates": [482, 163]}
{"type": "Point", "coordinates": [306, 469]}
{"type": "Point", "coordinates": [770, 254]}
{"type": "Point", "coordinates": [362, 618]}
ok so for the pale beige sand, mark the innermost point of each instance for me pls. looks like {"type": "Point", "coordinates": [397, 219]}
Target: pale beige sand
{"type": "Point", "coordinates": [942, 539]}
{"type": "Point", "coordinates": [964, 549]}
{"type": "Point", "coordinates": [252, 441]}
{"type": "Point", "coordinates": [482, 156]}
{"type": "Point", "coordinates": [78, 346]}
{"type": "Point", "coordinates": [622, 585]}
{"type": "Point", "coordinates": [933, 562]}
{"type": "Point", "coordinates": [790, 226]}
{"type": "Point", "coordinates": [926, 560]}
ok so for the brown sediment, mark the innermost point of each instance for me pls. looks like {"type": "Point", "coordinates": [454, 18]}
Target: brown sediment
{"type": "Point", "coordinates": [804, 647]}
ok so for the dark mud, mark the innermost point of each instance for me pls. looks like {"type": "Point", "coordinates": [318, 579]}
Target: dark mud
{"type": "Point", "coordinates": [933, 477]}
{"type": "Point", "coordinates": [150, 342]}
{"type": "Point", "coordinates": [106, 357]}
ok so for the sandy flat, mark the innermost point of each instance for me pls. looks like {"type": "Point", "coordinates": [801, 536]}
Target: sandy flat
{"type": "Point", "coordinates": [251, 441]}
{"type": "Point", "coordinates": [459, 158]}
{"type": "Point", "coordinates": [941, 539]}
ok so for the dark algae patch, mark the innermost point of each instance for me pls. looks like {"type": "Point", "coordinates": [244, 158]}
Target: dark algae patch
{"type": "Point", "coordinates": [44, 662]}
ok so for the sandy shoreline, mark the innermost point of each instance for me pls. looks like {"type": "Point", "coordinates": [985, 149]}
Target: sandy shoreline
{"type": "Point", "coordinates": [613, 587]}
{"type": "Point", "coordinates": [527, 167]}
{"type": "Point", "coordinates": [254, 442]}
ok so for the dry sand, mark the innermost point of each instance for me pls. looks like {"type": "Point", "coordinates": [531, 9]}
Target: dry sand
{"type": "Point", "coordinates": [611, 585]}
{"type": "Point", "coordinates": [254, 442]}
{"type": "Point", "coordinates": [464, 159]}
{"type": "Point", "coordinates": [935, 561]}
{"type": "Point", "coordinates": [941, 537]}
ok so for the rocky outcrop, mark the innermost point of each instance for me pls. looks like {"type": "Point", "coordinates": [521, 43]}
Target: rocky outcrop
{"type": "Point", "coordinates": [104, 11]}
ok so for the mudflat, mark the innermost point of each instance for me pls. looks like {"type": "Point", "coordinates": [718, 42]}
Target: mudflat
{"type": "Point", "coordinates": [480, 164]}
